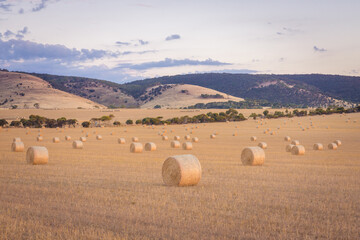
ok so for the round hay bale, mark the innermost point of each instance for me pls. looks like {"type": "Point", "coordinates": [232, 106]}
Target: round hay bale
{"type": "Point", "coordinates": [175, 144]}
{"type": "Point", "coordinates": [17, 147]}
{"type": "Point", "coordinates": [165, 138]}
{"type": "Point", "coordinates": [181, 170]}
{"type": "Point", "coordinates": [77, 144]}
{"type": "Point", "coordinates": [136, 147]}
{"type": "Point", "coordinates": [17, 139]}
{"type": "Point", "coordinates": [253, 156]}
{"type": "Point", "coordinates": [272, 133]}
{"type": "Point", "coordinates": [187, 146]}
{"type": "Point", "coordinates": [98, 137]}
{"type": "Point", "coordinates": [187, 137]}
{"type": "Point", "coordinates": [39, 138]}
{"type": "Point", "coordinates": [216, 132]}
{"type": "Point", "coordinates": [289, 147]}
{"type": "Point", "coordinates": [56, 140]}
{"type": "Point", "coordinates": [318, 146]}
{"type": "Point", "coordinates": [212, 136]}
{"type": "Point", "coordinates": [295, 142]}
{"type": "Point", "coordinates": [253, 138]}
{"type": "Point", "coordinates": [83, 139]}
{"type": "Point", "coordinates": [332, 146]}
{"type": "Point", "coordinates": [67, 138]}
{"type": "Point", "coordinates": [121, 140]}
{"type": "Point", "coordinates": [150, 146]}
{"type": "Point", "coordinates": [235, 134]}
{"type": "Point", "coordinates": [287, 138]}
{"type": "Point", "coordinates": [27, 133]}
{"type": "Point", "coordinates": [263, 145]}
{"type": "Point", "coordinates": [37, 155]}
{"type": "Point", "coordinates": [177, 138]}
{"type": "Point", "coordinates": [111, 134]}
{"type": "Point", "coordinates": [195, 139]}
{"type": "Point", "coordinates": [265, 132]}
{"type": "Point", "coordinates": [135, 139]}
{"type": "Point", "coordinates": [337, 142]}
{"type": "Point", "coordinates": [298, 150]}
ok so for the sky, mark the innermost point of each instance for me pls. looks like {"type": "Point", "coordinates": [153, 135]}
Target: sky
{"type": "Point", "coordinates": [126, 40]}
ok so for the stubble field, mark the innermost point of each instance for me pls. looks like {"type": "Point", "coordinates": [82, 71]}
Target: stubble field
{"type": "Point", "coordinates": [105, 192]}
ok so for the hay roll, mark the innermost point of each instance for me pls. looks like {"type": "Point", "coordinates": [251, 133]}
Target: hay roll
{"type": "Point", "coordinates": [187, 146]}
{"type": "Point", "coordinates": [136, 147]}
{"type": "Point", "coordinates": [176, 138]}
{"type": "Point", "coordinates": [253, 138]}
{"type": "Point", "coordinates": [87, 134]}
{"type": "Point", "coordinates": [165, 138]}
{"type": "Point", "coordinates": [187, 137]}
{"type": "Point", "coordinates": [298, 150]}
{"type": "Point", "coordinates": [121, 140]}
{"type": "Point", "coordinates": [67, 138]}
{"type": "Point", "coordinates": [17, 139]}
{"type": "Point", "coordinates": [272, 133]}
{"type": "Point", "coordinates": [295, 142]}
{"type": "Point", "coordinates": [318, 146]}
{"type": "Point", "coordinates": [37, 155]}
{"type": "Point", "coordinates": [289, 147]}
{"type": "Point", "coordinates": [17, 147]}
{"type": "Point", "coordinates": [287, 139]}
{"type": "Point", "coordinates": [332, 146]}
{"type": "Point", "coordinates": [195, 139]}
{"type": "Point", "coordinates": [39, 138]}
{"type": "Point", "coordinates": [253, 156]}
{"type": "Point", "coordinates": [181, 170]}
{"type": "Point", "coordinates": [98, 137]}
{"type": "Point", "coordinates": [83, 139]}
{"type": "Point", "coordinates": [338, 143]}
{"type": "Point", "coordinates": [56, 140]}
{"type": "Point", "coordinates": [135, 139]}
{"type": "Point", "coordinates": [235, 134]}
{"type": "Point", "coordinates": [212, 136]}
{"type": "Point", "coordinates": [175, 144]}
{"type": "Point", "coordinates": [77, 144]}
{"type": "Point", "coordinates": [150, 146]}
{"type": "Point", "coordinates": [263, 145]}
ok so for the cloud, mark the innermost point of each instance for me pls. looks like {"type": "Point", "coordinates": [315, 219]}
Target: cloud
{"type": "Point", "coordinates": [21, 11]}
{"type": "Point", "coordinates": [142, 42]}
{"type": "Point", "coordinates": [40, 6]}
{"type": "Point", "coordinates": [19, 35]}
{"type": "Point", "coordinates": [122, 43]}
{"type": "Point", "coordinates": [288, 31]}
{"type": "Point", "coordinates": [172, 37]}
{"type": "Point", "coordinates": [8, 34]}
{"type": "Point", "coordinates": [5, 6]}
{"type": "Point", "coordinates": [168, 62]}
{"type": "Point", "coordinates": [316, 49]}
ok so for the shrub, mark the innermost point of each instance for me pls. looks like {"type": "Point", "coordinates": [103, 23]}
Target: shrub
{"type": "Point", "coordinates": [129, 122]}
{"type": "Point", "coordinates": [85, 124]}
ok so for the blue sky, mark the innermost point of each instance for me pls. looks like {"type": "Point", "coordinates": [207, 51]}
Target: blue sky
{"type": "Point", "coordinates": [125, 40]}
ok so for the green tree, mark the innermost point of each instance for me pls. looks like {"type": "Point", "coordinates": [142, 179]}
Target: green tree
{"type": "Point", "coordinates": [129, 122]}
{"type": "Point", "coordinates": [266, 112]}
{"type": "Point", "coordinates": [85, 124]}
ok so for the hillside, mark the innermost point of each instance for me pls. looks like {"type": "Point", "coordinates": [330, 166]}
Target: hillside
{"type": "Point", "coordinates": [181, 95]}
{"type": "Point", "coordinates": [20, 90]}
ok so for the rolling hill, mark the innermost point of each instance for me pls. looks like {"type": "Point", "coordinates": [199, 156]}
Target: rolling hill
{"type": "Point", "coordinates": [19, 90]}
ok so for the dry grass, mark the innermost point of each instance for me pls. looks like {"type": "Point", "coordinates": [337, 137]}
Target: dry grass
{"type": "Point", "coordinates": [106, 192]}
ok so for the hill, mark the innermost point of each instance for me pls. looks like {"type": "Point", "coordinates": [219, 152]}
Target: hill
{"type": "Point", "coordinates": [19, 90]}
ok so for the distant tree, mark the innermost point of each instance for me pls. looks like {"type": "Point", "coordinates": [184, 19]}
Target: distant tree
{"type": "Point", "coordinates": [138, 121]}
{"type": "Point", "coordinates": [266, 112]}
{"type": "Point", "coordinates": [116, 123]}
{"type": "Point", "coordinates": [3, 122]}
{"type": "Point", "coordinates": [85, 124]}
{"type": "Point", "coordinates": [15, 124]}
{"type": "Point", "coordinates": [157, 106]}
{"type": "Point", "coordinates": [129, 122]}
{"type": "Point", "coordinates": [14, 106]}
{"type": "Point", "coordinates": [36, 105]}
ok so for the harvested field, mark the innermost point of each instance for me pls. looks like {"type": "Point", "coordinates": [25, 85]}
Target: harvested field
{"type": "Point", "coordinates": [106, 192]}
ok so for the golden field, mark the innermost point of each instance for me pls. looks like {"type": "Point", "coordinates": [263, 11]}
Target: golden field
{"type": "Point", "coordinates": [105, 192]}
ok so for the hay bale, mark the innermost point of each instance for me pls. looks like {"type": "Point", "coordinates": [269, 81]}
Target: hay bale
{"type": "Point", "coordinates": [77, 144]}
{"type": "Point", "coordinates": [135, 139]}
{"type": "Point", "coordinates": [287, 139]}
{"type": "Point", "coordinates": [216, 133]}
{"type": "Point", "coordinates": [332, 146]}
{"type": "Point", "coordinates": [67, 138]}
{"type": "Point", "coordinates": [263, 145]}
{"type": "Point", "coordinates": [253, 138]}
{"type": "Point", "coordinates": [83, 139]}
{"type": "Point", "coordinates": [265, 132]}
{"type": "Point", "coordinates": [165, 138]}
{"type": "Point", "coordinates": [87, 135]}
{"type": "Point", "coordinates": [121, 140]}
{"type": "Point", "coordinates": [136, 147]}
{"type": "Point", "coordinates": [295, 142]}
{"type": "Point", "coordinates": [39, 138]}
{"type": "Point", "coordinates": [272, 133]}
{"type": "Point", "coordinates": [235, 134]}
{"type": "Point", "coordinates": [56, 140]}
{"type": "Point", "coordinates": [187, 146]}
{"type": "Point", "coordinates": [98, 137]}
{"type": "Point", "coordinates": [318, 146]}
{"type": "Point", "coordinates": [111, 134]}
{"type": "Point", "coordinates": [298, 150]}
{"type": "Point", "coordinates": [289, 147]}
{"type": "Point", "coordinates": [150, 146]}
{"type": "Point", "coordinates": [181, 170]}
{"type": "Point", "coordinates": [17, 139]}
{"type": "Point", "coordinates": [17, 147]}
{"type": "Point", "coordinates": [37, 155]}
{"type": "Point", "coordinates": [176, 138]}
{"type": "Point", "coordinates": [187, 137]}
{"type": "Point", "coordinates": [253, 156]}
{"type": "Point", "coordinates": [195, 139]}
{"type": "Point", "coordinates": [175, 144]}
{"type": "Point", "coordinates": [337, 142]}
{"type": "Point", "coordinates": [212, 136]}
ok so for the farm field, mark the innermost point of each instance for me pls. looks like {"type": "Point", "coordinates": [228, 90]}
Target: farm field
{"type": "Point", "coordinates": [105, 192]}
